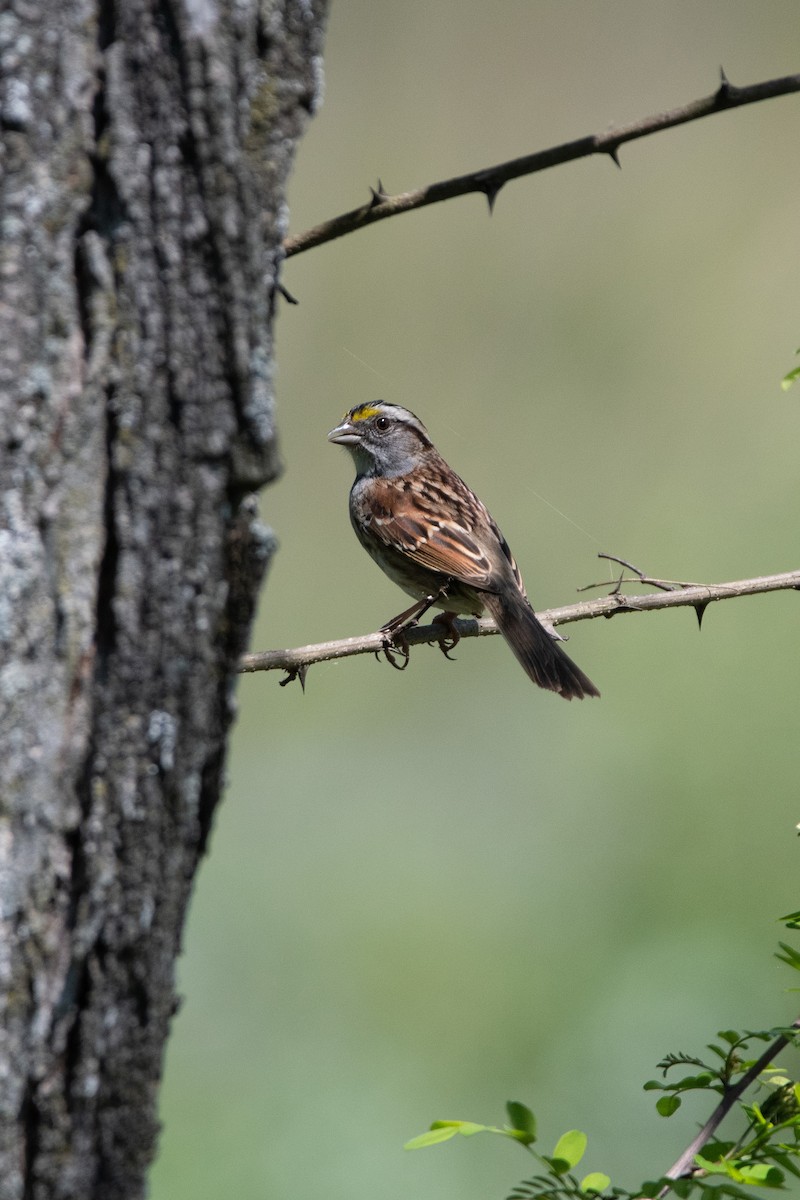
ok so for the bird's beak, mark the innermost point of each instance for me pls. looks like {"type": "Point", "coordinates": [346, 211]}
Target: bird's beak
{"type": "Point", "coordinates": [344, 434]}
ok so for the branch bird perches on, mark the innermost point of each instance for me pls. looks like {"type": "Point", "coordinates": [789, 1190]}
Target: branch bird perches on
{"type": "Point", "coordinates": [670, 594]}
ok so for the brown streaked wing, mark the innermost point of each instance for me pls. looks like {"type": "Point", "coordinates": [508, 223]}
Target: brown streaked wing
{"type": "Point", "coordinates": [428, 538]}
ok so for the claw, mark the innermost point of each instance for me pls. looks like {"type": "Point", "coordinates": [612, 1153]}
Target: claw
{"type": "Point", "coordinates": [450, 637]}
{"type": "Point", "coordinates": [395, 647]}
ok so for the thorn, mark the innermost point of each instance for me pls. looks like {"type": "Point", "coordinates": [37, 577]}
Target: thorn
{"type": "Point", "coordinates": [621, 606]}
{"type": "Point", "coordinates": [699, 610]}
{"type": "Point", "coordinates": [490, 191]}
{"type": "Point", "coordinates": [299, 673]}
{"type": "Point", "coordinates": [378, 195]}
{"type": "Point", "coordinates": [287, 295]}
{"type": "Point", "coordinates": [725, 87]}
{"type": "Point", "coordinates": [613, 154]}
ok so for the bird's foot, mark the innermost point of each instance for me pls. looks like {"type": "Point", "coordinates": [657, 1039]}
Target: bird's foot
{"type": "Point", "coordinates": [395, 649]}
{"type": "Point", "coordinates": [449, 637]}
{"type": "Point", "coordinates": [394, 641]}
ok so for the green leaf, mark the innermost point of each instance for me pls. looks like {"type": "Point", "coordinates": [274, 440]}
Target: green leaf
{"type": "Point", "coordinates": [692, 1082]}
{"type": "Point", "coordinates": [756, 1116]}
{"type": "Point", "coordinates": [790, 956]}
{"type": "Point", "coordinates": [469, 1128]}
{"type": "Point", "coordinates": [442, 1131]}
{"type": "Point", "coordinates": [762, 1175]}
{"type": "Point", "coordinates": [439, 1133]}
{"type": "Point", "coordinates": [667, 1105]}
{"type": "Point", "coordinates": [570, 1149]}
{"type": "Point", "coordinates": [754, 1174]}
{"type": "Point", "coordinates": [728, 1189]}
{"type": "Point", "coordinates": [731, 1036]}
{"type": "Point", "coordinates": [522, 1121]}
{"type": "Point", "coordinates": [784, 1161]}
{"type": "Point", "coordinates": [791, 920]}
{"type": "Point", "coordinates": [558, 1166]}
{"type": "Point", "coordinates": [718, 1149]}
{"type": "Point", "coordinates": [789, 379]}
{"type": "Point", "coordinates": [595, 1182]}
{"type": "Point", "coordinates": [718, 1167]}
{"type": "Point", "coordinates": [651, 1187]}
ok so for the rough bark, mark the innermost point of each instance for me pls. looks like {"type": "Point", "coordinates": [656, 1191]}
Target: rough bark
{"type": "Point", "coordinates": [144, 149]}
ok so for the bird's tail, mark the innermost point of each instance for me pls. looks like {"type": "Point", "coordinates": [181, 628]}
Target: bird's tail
{"type": "Point", "coordinates": [541, 656]}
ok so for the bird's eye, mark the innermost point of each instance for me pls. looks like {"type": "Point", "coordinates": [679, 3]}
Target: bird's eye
{"type": "Point", "coordinates": [382, 424]}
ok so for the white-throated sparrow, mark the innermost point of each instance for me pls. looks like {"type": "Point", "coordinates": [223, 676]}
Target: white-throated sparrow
{"type": "Point", "coordinates": [434, 538]}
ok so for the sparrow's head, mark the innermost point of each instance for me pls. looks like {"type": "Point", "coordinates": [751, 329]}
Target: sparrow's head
{"type": "Point", "coordinates": [384, 439]}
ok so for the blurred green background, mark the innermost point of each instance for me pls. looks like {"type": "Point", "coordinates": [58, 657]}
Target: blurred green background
{"type": "Point", "coordinates": [428, 893]}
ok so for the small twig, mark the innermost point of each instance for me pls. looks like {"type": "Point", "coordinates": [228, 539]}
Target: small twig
{"type": "Point", "coordinates": [489, 180]}
{"type": "Point", "coordinates": [685, 1163]}
{"type": "Point", "coordinates": [664, 585]}
{"type": "Point", "coordinates": [287, 295]}
{"type": "Point", "coordinates": [623, 562]}
{"type": "Point", "coordinates": [696, 596]}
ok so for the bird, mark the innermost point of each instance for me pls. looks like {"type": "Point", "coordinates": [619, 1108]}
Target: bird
{"type": "Point", "coordinates": [429, 532]}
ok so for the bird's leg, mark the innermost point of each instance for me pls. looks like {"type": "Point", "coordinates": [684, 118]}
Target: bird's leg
{"type": "Point", "coordinates": [395, 629]}
{"type": "Point", "coordinates": [409, 617]}
{"type": "Point", "coordinates": [412, 615]}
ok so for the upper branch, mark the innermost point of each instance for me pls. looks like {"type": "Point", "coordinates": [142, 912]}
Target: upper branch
{"type": "Point", "coordinates": [489, 180]}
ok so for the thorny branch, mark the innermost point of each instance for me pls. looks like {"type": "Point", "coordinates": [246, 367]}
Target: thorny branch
{"type": "Point", "coordinates": [672, 595]}
{"type": "Point", "coordinates": [489, 180]}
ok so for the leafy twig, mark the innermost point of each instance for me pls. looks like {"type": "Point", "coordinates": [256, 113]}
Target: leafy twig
{"type": "Point", "coordinates": [686, 1161]}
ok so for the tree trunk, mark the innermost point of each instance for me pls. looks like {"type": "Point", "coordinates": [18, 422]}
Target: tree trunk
{"type": "Point", "coordinates": [145, 151]}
